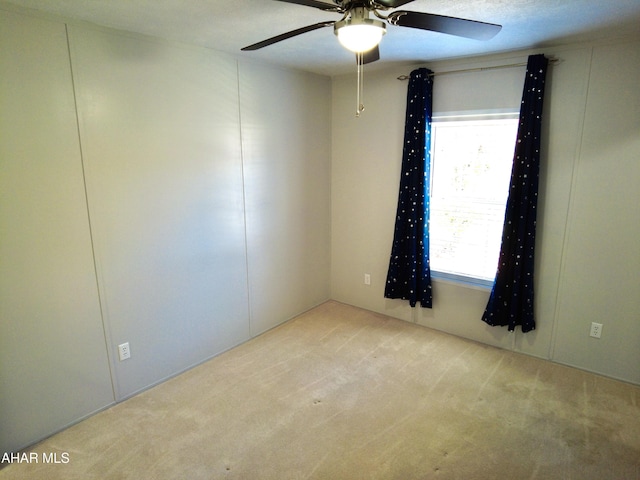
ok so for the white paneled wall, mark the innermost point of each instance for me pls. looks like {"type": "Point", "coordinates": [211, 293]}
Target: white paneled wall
{"type": "Point", "coordinates": [123, 216]}
{"type": "Point", "coordinates": [160, 137]}
{"type": "Point", "coordinates": [601, 267]}
{"type": "Point", "coordinates": [53, 358]}
{"type": "Point", "coordinates": [288, 242]}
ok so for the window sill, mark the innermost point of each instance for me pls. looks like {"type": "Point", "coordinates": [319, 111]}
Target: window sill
{"type": "Point", "coordinates": [463, 281]}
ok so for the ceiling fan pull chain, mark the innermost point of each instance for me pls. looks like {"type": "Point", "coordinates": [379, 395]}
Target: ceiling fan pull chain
{"type": "Point", "coordinates": [360, 84]}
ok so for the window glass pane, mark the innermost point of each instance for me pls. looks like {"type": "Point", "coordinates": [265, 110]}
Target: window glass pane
{"type": "Point", "coordinates": [470, 182]}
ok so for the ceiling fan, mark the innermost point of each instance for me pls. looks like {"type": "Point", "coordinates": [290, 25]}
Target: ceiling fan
{"type": "Point", "coordinates": [361, 34]}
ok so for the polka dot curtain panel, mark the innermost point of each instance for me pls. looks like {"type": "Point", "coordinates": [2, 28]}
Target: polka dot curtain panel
{"type": "Point", "coordinates": [409, 274]}
{"type": "Point", "coordinates": [511, 300]}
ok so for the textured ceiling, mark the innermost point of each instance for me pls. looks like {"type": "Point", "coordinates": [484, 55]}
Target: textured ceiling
{"type": "Point", "coordinates": [228, 25]}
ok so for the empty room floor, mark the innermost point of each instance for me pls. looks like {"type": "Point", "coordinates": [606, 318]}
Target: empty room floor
{"type": "Point", "coordinates": [343, 393]}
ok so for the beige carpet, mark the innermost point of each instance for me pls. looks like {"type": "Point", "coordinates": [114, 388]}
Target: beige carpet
{"type": "Point", "coordinates": [341, 393]}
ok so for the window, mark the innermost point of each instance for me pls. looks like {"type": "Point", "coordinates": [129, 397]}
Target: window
{"type": "Point", "coordinates": [471, 167]}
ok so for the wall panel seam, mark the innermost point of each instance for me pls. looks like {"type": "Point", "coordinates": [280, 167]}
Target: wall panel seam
{"type": "Point", "coordinates": [86, 198]}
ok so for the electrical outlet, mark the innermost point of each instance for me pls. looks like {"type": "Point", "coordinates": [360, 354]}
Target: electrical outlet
{"type": "Point", "coordinates": [596, 330]}
{"type": "Point", "coordinates": [123, 351]}
{"type": "Point", "coordinates": [367, 279]}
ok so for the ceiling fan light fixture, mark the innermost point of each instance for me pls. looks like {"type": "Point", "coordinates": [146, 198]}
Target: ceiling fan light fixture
{"type": "Point", "coordinates": [359, 34]}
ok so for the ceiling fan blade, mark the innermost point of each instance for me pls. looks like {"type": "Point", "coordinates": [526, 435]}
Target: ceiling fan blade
{"type": "Point", "coordinates": [392, 3]}
{"type": "Point", "coordinates": [371, 55]}
{"type": "Point", "coordinates": [450, 25]}
{"type": "Point", "coordinates": [312, 3]}
{"type": "Point", "coordinates": [284, 36]}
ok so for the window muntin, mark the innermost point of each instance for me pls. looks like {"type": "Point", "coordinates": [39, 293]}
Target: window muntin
{"type": "Point", "coordinates": [471, 159]}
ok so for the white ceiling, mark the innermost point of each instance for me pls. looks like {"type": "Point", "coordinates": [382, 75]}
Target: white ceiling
{"type": "Point", "coordinates": [228, 25]}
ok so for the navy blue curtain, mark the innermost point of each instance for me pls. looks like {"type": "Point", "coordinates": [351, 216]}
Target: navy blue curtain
{"type": "Point", "coordinates": [511, 300]}
{"type": "Point", "coordinates": [409, 275]}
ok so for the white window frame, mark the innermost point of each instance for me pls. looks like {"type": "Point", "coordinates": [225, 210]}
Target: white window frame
{"type": "Point", "coordinates": [438, 118]}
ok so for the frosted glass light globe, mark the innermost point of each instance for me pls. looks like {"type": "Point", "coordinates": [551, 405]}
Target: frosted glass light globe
{"type": "Point", "coordinates": [359, 35]}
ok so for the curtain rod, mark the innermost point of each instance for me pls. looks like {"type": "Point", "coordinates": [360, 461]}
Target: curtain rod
{"type": "Point", "coordinates": [552, 61]}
